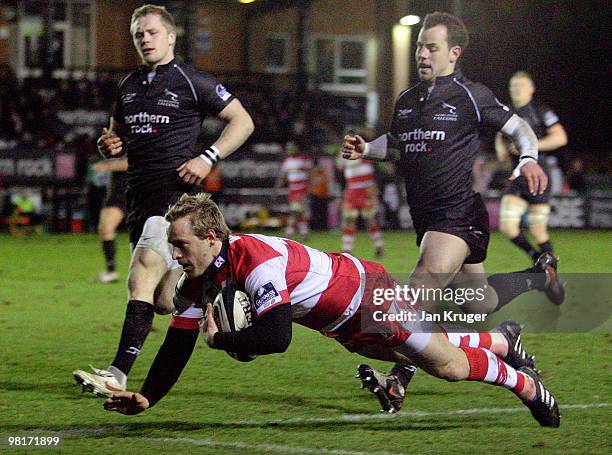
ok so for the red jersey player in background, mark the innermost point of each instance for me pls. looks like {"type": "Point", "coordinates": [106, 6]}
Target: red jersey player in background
{"type": "Point", "coordinates": [360, 198]}
{"type": "Point", "coordinates": [295, 172]}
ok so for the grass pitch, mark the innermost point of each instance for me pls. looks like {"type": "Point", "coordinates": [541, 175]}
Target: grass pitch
{"type": "Point", "coordinates": [53, 321]}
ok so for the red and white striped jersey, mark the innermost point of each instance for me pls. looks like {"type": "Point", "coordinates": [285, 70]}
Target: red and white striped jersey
{"type": "Point", "coordinates": [325, 289]}
{"type": "Point", "coordinates": [359, 174]}
{"type": "Point", "coordinates": [298, 172]}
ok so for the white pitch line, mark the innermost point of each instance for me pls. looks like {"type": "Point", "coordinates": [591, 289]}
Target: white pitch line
{"type": "Point", "coordinates": [414, 414]}
{"type": "Point", "coordinates": [280, 448]}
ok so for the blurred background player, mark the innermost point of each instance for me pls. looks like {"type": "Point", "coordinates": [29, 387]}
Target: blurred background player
{"type": "Point", "coordinates": [517, 199]}
{"type": "Point", "coordinates": [156, 122]}
{"type": "Point", "coordinates": [111, 215]}
{"type": "Point", "coordinates": [295, 173]}
{"type": "Point", "coordinates": [360, 198]}
{"type": "Point", "coordinates": [319, 196]}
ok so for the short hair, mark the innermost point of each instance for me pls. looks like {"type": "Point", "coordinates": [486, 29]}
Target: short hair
{"type": "Point", "coordinates": [523, 74]}
{"type": "Point", "coordinates": [457, 33]}
{"type": "Point", "coordinates": [165, 16]}
{"type": "Point", "coordinates": [204, 215]}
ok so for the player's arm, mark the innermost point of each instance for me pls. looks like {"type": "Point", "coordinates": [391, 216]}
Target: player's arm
{"type": "Point", "coordinates": [555, 138]}
{"type": "Point", "coordinates": [380, 149]}
{"type": "Point", "coordinates": [270, 333]}
{"type": "Point", "coordinates": [163, 374]}
{"type": "Point", "coordinates": [527, 144]}
{"type": "Point", "coordinates": [503, 148]}
{"type": "Point", "coordinates": [238, 129]}
{"type": "Point", "coordinates": [112, 165]}
{"type": "Point", "coordinates": [110, 144]}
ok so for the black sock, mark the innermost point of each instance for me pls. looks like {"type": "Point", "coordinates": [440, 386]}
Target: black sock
{"type": "Point", "coordinates": [404, 373]}
{"type": "Point", "coordinates": [510, 285]}
{"type": "Point", "coordinates": [524, 245]}
{"type": "Point", "coordinates": [108, 246]}
{"type": "Point", "coordinates": [136, 327]}
{"type": "Point", "coordinates": [546, 247]}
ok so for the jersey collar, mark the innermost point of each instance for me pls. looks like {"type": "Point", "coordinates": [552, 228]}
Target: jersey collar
{"type": "Point", "coordinates": [443, 80]}
{"type": "Point", "coordinates": [219, 263]}
{"type": "Point", "coordinates": [159, 69]}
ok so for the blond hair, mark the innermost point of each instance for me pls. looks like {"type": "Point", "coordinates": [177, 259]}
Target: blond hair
{"type": "Point", "coordinates": [166, 18]}
{"type": "Point", "coordinates": [203, 213]}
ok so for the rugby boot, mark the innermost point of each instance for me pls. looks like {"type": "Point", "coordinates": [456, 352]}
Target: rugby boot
{"type": "Point", "coordinates": [387, 388]}
{"type": "Point", "coordinates": [554, 288]}
{"type": "Point", "coordinates": [544, 406]}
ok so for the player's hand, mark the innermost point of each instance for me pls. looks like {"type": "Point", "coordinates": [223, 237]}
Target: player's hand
{"type": "Point", "coordinates": [193, 171]}
{"type": "Point", "coordinates": [210, 327]}
{"type": "Point", "coordinates": [109, 144]}
{"type": "Point", "coordinates": [353, 147]}
{"type": "Point", "coordinates": [535, 176]}
{"type": "Point", "coordinates": [128, 403]}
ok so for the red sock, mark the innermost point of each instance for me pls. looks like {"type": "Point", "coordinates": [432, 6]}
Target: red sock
{"type": "Point", "coordinates": [348, 238]}
{"type": "Point", "coordinates": [472, 340]}
{"type": "Point", "coordinates": [487, 367]}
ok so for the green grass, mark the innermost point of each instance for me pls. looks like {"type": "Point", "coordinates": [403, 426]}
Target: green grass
{"type": "Point", "coordinates": [53, 321]}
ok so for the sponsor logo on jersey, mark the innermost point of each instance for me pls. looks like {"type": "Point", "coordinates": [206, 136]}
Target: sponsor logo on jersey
{"type": "Point", "coordinates": [418, 140]}
{"type": "Point", "coordinates": [403, 113]}
{"type": "Point", "coordinates": [449, 116]}
{"type": "Point", "coordinates": [146, 123]}
{"type": "Point", "coordinates": [222, 92]}
{"type": "Point", "coordinates": [171, 102]}
{"type": "Point", "coordinates": [266, 296]}
{"type": "Point", "coordinates": [127, 98]}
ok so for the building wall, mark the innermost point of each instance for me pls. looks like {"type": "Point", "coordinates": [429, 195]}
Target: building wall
{"type": "Point", "coordinates": [114, 47]}
{"type": "Point", "coordinates": [339, 17]}
{"type": "Point", "coordinates": [284, 22]}
{"type": "Point", "coordinates": [222, 26]}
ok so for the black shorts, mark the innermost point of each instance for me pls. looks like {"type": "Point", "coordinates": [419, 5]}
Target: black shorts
{"type": "Point", "coordinates": [143, 204]}
{"type": "Point", "coordinates": [115, 195]}
{"type": "Point", "coordinates": [519, 187]}
{"type": "Point", "coordinates": [468, 221]}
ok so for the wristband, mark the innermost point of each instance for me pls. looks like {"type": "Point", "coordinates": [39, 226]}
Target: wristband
{"type": "Point", "coordinates": [211, 155]}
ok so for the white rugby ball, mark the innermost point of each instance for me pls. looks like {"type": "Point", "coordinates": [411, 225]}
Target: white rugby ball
{"type": "Point", "coordinates": [233, 311]}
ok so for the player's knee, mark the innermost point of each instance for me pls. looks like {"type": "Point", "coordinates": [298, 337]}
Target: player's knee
{"type": "Point", "coordinates": [163, 306]}
{"type": "Point", "coordinates": [538, 214]}
{"type": "Point", "coordinates": [427, 271]}
{"type": "Point", "coordinates": [105, 232]}
{"type": "Point", "coordinates": [510, 229]}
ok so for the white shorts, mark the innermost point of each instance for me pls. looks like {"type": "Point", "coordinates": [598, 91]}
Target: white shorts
{"type": "Point", "coordinates": [155, 237]}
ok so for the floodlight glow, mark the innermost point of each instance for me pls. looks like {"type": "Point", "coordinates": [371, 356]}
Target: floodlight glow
{"type": "Point", "coordinates": [411, 19]}
{"type": "Point", "coordinates": [246, 1]}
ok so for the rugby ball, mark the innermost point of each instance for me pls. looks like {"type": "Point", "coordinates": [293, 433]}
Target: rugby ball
{"type": "Point", "coordinates": [233, 311]}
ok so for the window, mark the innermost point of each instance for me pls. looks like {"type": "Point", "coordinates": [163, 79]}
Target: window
{"type": "Point", "coordinates": [277, 49]}
{"type": "Point", "coordinates": [339, 63]}
{"type": "Point", "coordinates": [72, 34]}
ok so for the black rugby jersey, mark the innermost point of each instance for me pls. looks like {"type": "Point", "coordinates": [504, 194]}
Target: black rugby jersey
{"type": "Point", "coordinates": [540, 117]}
{"type": "Point", "coordinates": [163, 119]}
{"type": "Point", "coordinates": [437, 134]}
